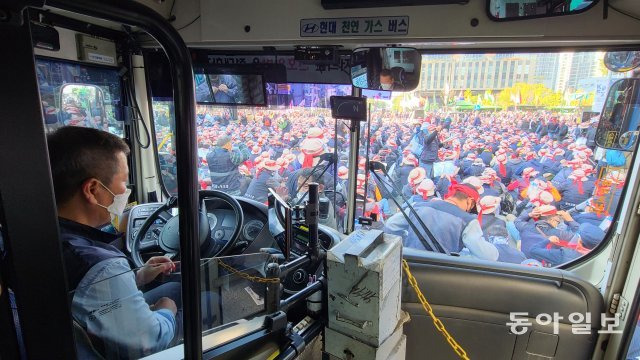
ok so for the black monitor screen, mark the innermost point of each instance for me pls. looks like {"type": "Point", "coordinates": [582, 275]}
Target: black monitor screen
{"type": "Point", "coordinates": [227, 89]}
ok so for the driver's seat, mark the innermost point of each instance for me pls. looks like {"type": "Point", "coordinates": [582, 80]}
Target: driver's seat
{"type": "Point", "coordinates": [84, 346]}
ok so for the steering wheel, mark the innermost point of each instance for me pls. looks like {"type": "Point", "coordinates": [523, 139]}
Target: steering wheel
{"type": "Point", "coordinates": [167, 240]}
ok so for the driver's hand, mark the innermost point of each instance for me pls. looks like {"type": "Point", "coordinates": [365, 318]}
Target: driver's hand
{"type": "Point", "coordinates": [152, 268]}
{"type": "Point", "coordinates": [165, 303]}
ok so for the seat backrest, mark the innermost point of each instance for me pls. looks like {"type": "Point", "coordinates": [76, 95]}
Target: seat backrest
{"type": "Point", "coordinates": [84, 346]}
{"type": "Point", "coordinates": [398, 74]}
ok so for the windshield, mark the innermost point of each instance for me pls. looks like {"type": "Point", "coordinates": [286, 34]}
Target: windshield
{"type": "Point", "coordinates": [497, 154]}
{"type": "Point", "coordinates": [244, 151]}
{"type": "Point", "coordinates": [517, 128]}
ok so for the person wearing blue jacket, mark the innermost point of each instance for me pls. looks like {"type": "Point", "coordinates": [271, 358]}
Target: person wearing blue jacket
{"type": "Point", "coordinates": [430, 146]}
{"type": "Point", "coordinates": [105, 296]}
{"type": "Point", "coordinates": [540, 223]}
{"type": "Point", "coordinates": [554, 251]}
{"type": "Point", "coordinates": [577, 188]}
{"type": "Point", "coordinates": [450, 223]}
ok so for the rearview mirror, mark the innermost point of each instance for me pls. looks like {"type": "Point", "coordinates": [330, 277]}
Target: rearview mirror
{"type": "Point", "coordinates": [82, 105]}
{"type": "Point", "coordinates": [394, 69]}
{"type": "Point", "coordinates": [620, 117]}
{"type": "Point", "coordinates": [622, 61]}
{"type": "Point", "coordinates": [504, 10]}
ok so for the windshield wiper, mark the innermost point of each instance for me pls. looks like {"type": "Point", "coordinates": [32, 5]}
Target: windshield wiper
{"type": "Point", "coordinates": [430, 243]}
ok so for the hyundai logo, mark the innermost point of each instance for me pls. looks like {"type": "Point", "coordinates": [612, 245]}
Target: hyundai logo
{"type": "Point", "coordinates": [309, 28]}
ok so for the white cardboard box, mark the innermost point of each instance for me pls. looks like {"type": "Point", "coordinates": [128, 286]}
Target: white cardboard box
{"type": "Point", "coordinates": [364, 275]}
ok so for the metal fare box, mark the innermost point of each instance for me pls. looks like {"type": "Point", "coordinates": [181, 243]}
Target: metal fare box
{"type": "Point", "coordinates": [364, 285]}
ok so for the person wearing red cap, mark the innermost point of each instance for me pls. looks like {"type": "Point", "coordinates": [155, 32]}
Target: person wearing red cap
{"type": "Point", "coordinates": [450, 223]}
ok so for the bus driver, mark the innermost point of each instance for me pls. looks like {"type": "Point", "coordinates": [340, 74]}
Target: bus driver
{"type": "Point", "coordinates": [90, 172]}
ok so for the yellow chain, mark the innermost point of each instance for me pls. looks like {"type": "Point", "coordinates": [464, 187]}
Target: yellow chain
{"type": "Point", "coordinates": [427, 307]}
{"type": "Point", "coordinates": [246, 276]}
{"type": "Point", "coordinates": [412, 281]}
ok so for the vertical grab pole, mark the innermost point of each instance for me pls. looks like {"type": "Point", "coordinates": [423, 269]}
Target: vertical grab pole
{"type": "Point", "coordinates": [182, 79]}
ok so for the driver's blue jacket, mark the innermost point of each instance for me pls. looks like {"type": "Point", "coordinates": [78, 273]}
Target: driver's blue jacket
{"type": "Point", "coordinates": [105, 299]}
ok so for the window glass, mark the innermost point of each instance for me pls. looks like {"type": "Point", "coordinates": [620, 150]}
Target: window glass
{"type": "Point", "coordinates": [124, 313]}
{"type": "Point", "coordinates": [244, 151]}
{"type": "Point", "coordinates": [80, 95]}
{"type": "Point", "coordinates": [546, 194]}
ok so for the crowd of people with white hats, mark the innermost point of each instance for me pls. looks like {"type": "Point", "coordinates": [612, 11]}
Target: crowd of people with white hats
{"type": "Point", "coordinates": [518, 186]}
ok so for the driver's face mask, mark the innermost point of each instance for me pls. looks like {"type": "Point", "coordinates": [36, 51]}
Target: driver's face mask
{"type": "Point", "coordinates": [119, 204]}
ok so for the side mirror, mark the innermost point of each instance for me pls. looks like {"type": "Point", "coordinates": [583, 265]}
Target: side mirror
{"type": "Point", "coordinates": [386, 68]}
{"type": "Point", "coordinates": [622, 61]}
{"type": "Point", "coordinates": [83, 105]}
{"type": "Point", "coordinates": [620, 117]}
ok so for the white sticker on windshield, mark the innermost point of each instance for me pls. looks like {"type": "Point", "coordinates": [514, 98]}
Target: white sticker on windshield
{"type": "Point", "coordinates": [357, 26]}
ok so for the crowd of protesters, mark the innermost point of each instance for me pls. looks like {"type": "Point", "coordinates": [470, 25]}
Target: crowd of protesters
{"type": "Point", "coordinates": [526, 187]}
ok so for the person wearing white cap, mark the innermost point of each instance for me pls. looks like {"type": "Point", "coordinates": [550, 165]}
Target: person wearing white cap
{"type": "Point", "coordinates": [327, 215]}
{"type": "Point", "coordinates": [468, 159]}
{"type": "Point", "coordinates": [311, 149]}
{"type": "Point", "coordinates": [409, 162]}
{"type": "Point", "coordinates": [541, 223]}
{"type": "Point", "coordinates": [519, 184]}
{"type": "Point", "coordinates": [578, 187]}
{"type": "Point", "coordinates": [495, 231]}
{"type": "Point", "coordinates": [476, 183]}
{"type": "Point", "coordinates": [414, 178]}
{"type": "Point", "coordinates": [425, 191]}
{"type": "Point", "coordinates": [566, 168]}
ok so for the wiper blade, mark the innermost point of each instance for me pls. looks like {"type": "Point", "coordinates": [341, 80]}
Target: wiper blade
{"type": "Point", "coordinates": [431, 243]}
